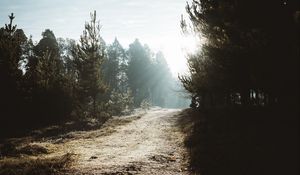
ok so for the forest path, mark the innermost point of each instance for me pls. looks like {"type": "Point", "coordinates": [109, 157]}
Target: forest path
{"type": "Point", "coordinates": [151, 144]}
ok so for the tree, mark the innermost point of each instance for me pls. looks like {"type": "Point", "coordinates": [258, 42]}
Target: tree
{"type": "Point", "coordinates": [35, 53]}
{"type": "Point", "coordinates": [114, 67]}
{"type": "Point", "coordinates": [12, 41]}
{"type": "Point", "coordinates": [243, 51]}
{"type": "Point", "coordinates": [48, 89]}
{"type": "Point", "coordinates": [160, 81]}
{"type": "Point", "coordinates": [48, 43]}
{"type": "Point", "coordinates": [139, 71]}
{"type": "Point", "coordinates": [120, 102]}
{"type": "Point", "coordinates": [88, 58]}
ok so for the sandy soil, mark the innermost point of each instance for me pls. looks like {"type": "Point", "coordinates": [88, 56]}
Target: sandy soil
{"type": "Point", "coordinates": [151, 144]}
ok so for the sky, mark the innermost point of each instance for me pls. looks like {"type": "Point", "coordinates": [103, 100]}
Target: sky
{"type": "Point", "coordinates": [154, 22]}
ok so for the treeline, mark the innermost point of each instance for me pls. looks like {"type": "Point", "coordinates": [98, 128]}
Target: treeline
{"type": "Point", "coordinates": [58, 79]}
{"type": "Point", "coordinates": [249, 55]}
{"type": "Point", "coordinates": [244, 82]}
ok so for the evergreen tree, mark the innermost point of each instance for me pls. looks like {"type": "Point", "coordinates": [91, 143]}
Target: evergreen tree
{"type": "Point", "coordinates": [243, 52]}
{"type": "Point", "coordinates": [48, 89]}
{"type": "Point", "coordinates": [115, 66]}
{"type": "Point", "coordinates": [88, 58]}
{"type": "Point", "coordinates": [139, 71]}
{"type": "Point", "coordinates": [160, 81]}
{"type": "Point", "coordinates": [12, 41]}
{"type": "Point", "coordinates": [48, 43]}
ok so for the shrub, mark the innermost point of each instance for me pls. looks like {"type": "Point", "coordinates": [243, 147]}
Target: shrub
{"type": "Point", "coordinates": [145, 104]}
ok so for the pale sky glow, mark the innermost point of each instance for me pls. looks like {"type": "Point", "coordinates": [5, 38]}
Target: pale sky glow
{"type": "Point", "coordinates": [153, 22]}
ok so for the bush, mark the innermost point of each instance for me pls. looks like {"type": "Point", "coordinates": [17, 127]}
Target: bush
{"type": "Point", "coordinates": [120, 103]}
{"type": "Point", "coordinates": [145, 104]}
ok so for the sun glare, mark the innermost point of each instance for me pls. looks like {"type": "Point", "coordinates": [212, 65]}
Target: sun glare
{"type": "Point", "coordinates": [176, 48]}
{"type": "Point", "coordinates": [189, 44]}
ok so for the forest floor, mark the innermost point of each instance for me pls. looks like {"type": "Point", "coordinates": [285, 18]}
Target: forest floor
{"type": "Point", "coordinates": [142, 143]}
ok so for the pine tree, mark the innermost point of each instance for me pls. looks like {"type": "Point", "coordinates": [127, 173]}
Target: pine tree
{"type": "Point", "coordinates": [48, 89]}
{"type": "Point", "coordinates": [160, 81]}
{"type": "Point", "coordinates": [114, 67]}
{"type": "Point", "coordinates": [139, 71]}
{"type": "Point", "coordinates": [243, 51]}
{"type": "Point", "coordinates": [12, 41]}
{"type": "Point", "coordinates": [88, 58]}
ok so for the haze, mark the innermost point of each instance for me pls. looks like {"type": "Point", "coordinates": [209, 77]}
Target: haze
{"type": "Point", "coordinates": [155, 23]}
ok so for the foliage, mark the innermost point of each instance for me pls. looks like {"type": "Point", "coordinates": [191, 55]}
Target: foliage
{"type": "Point", "coordinates": [58, 79]}
{"type": "Point", "coordinates": [160, 81]}
{"type": "Point", "coordinates": [121, 102]}
{"type": "Point", "coordinates": [145, 104]}
{"type": "Point", "coordinates": [248, 59]}
{"type": "Point", "coordinates": [114, 67]}
{"type": "Point", "coordinates": [243, 53]}
{"type": "Point", "coordinates": [149, 77]}
{"type": "Point", "coordinates": [46, 89]}
{"type": "Point", "coordinates": [88, 58]}
{"type": "Point", "coordinates": [12, 41]}
{"type": "Point", "coordinates": [139, 64]}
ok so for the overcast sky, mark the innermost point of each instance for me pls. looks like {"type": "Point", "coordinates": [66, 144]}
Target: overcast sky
{"type": "Point", "coordinates": [154, 22]}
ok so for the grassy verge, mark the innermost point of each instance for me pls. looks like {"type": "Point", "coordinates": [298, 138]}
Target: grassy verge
{"type": "Point", "coordinates": [44, 151]}
{"type": "Point", "coordinates": [35, 166]}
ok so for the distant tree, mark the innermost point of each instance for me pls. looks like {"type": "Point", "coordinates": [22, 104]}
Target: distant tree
{"type": "Point", "coordinates": [149, 76]}
{"type": "Point", "coordinates": [121, 103]}
{"type": "Point", "coordinates": [88, 58]}
{"type": "Point", "coordinates": [48, 43]}
{"type": "Point", "coordinates": [29, 56]}
{"type": "Point", "coordinates": [145, 104]}
{"type": "Point", "coordinates": [139, 71]}
{"type": "Point", "coordinates": [114, 67]}
{"type": "Point", "coordinates": [66, 47]}
{"type": "Point", "coordinates": [160, 81]}
{"type": "Point", "coordinates": [119, 95]}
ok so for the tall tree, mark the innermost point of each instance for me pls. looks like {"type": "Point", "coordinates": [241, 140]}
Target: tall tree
{"type": "Point", "coordinates": [243, 50]}
{"type": "Point", "coordinates": [89, 56]}
{"type": "Point", "coordinates": [115, 67]}
{"type": "Point", "coordinates": [48, 89]}
{"type": "Point", "coordinates": [12, 41]}
{"type": "Point", "coordinates": [48, 43]}
{"type": "Point", "coordinates": [139, 69]}
{"type": "Point", "coordinates": [160, 81]}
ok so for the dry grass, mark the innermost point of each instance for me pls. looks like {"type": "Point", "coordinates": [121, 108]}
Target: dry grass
{"type": "Point", "coordinates": [33, 150]}
{"type": "Point", "coordinates": [47, 151]}
{"type": "Point", "coordinates": [12, 150]}
{"type": "Point", "coordinates": [106, 129]}
{"type": "Point", "coordinates": [35, 166]}
{"type": "Point", "coordinates": [187, 120]}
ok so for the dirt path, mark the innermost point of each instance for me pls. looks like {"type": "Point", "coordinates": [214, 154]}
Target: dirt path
{"type": "Point", "coordinates": [151, 144]}
{"type": "Point", "coordinates": [142, 143]}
